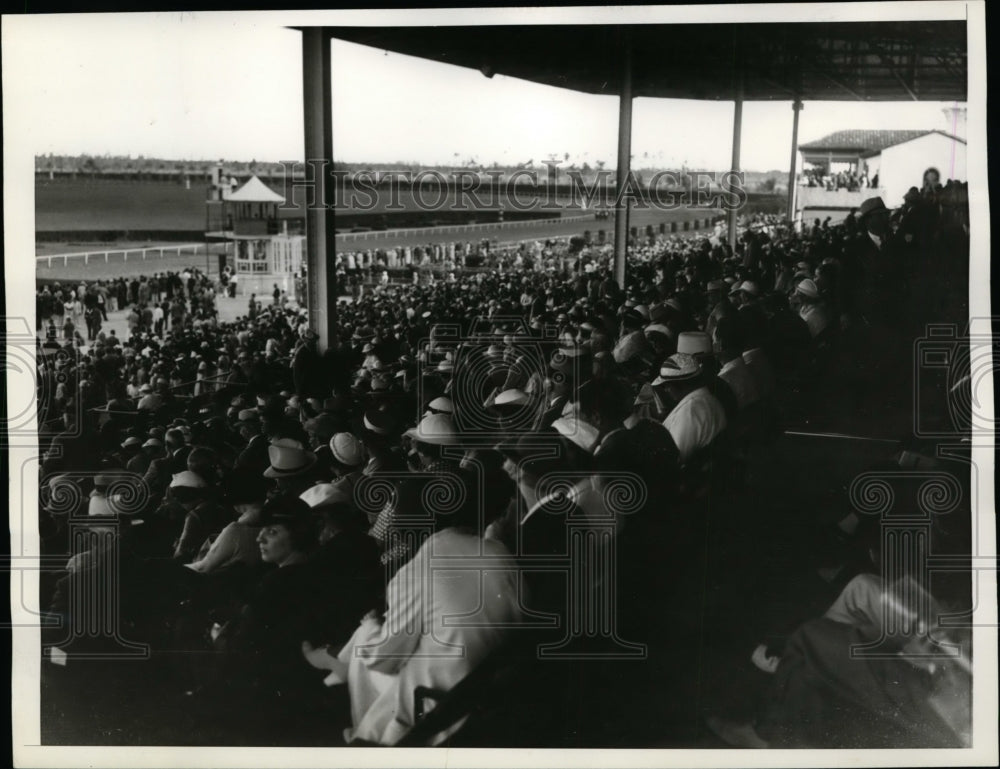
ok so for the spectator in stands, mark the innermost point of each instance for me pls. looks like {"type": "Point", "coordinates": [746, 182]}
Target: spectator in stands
{"type": "Point", "coordinates": [915, 693]}
{"type": "Point", "coordinates": [574, 350]}
{"type": "Point", "coordinates": [384, 662]}
{"type": "Point", "coordinates": [698, 417]}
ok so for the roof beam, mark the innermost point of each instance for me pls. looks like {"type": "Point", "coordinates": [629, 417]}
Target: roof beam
{"type": "Point", "coordinates": [826, 75]}
{"type": "Point", "coordinates": [902, 82]}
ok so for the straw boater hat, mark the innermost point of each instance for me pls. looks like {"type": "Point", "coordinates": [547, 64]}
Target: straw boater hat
{"type": "Point", "coordinates": [288, 458]}
{"type": "Point", "coordinates": [679, 367]}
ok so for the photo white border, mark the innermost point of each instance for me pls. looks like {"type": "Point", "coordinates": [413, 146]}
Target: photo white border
{"type": "Point", "coordinates": [20, 284]}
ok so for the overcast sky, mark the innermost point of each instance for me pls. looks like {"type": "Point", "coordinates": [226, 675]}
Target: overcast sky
{"type": "Point", "coordinates": [229, 86]}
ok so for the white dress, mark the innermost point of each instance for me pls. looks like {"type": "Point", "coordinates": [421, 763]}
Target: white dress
{"type": "Point", "coordinates": [441, 623]}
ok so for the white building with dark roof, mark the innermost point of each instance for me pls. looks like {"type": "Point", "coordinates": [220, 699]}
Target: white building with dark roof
{"type": "Point", "coordinates": [896, 158]}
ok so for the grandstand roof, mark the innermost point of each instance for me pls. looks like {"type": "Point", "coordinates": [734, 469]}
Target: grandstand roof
{"type": "Point", "coordinates": [857, 61]}
{"type": "Point", "coordinates": [868, 141]}
{"type": "Point", "coordinates": [255, 191]}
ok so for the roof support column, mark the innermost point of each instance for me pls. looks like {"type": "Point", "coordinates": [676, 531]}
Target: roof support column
{"type": "Point", "coordinates": [317, 98]}
{"type": "Point", "coordinates": [737, 132]}
{"type": "Point", "coordinates": [624, 160]}
{"type": "Point", "coordinates": [792, 187]}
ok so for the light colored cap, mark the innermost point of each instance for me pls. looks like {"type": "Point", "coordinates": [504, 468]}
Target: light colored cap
{"type": "Point", "coordinates": [347, 449]}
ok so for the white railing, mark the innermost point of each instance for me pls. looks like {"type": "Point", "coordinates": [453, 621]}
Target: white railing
{"type": "Point", "coordinates": [142, 253]}
{"type": "Point", "coordinates": [353, 237]}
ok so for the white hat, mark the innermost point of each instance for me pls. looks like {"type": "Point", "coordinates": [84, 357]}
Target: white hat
{"type": "Point", "coordinates": [694, 342]}
{"type": "Point", "coordinates": [323, 494]}
{"type": "Point", "coordinates": [188, 479]}
{"type": "Point", "coordinates": [678, 368]}
{"type": "Point", "coordinates": [288, 457]}
{"type": "Point", "coordinates": [657, 328]}
{"type": "Point", "coordinates": [347, 449]}
{"type": "Point", "coordinates": [807, 287]}
{"type": "Point", "coordinates": [582, 433]}
{"type": "Point", "coordinates": [512, 397]}
{"type": "Point", "coordinates": [436, 429]}
{"type": "Point", "coordinates": [442, 404]}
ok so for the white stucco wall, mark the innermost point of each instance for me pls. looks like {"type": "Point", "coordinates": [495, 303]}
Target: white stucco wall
{"type": "Point", "coordinates": [903, 166]}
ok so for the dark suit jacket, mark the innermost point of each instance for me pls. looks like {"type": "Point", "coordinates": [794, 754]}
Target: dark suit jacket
{"type": "Point", "coordinates": [255, 457]}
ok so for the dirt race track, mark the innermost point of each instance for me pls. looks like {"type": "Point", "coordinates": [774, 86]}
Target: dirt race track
{"type": "Point", "coordinates": [96, 267]}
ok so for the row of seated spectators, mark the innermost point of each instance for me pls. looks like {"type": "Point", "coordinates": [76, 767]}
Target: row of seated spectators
{"type": "Point", "coordinates": [487, 473]}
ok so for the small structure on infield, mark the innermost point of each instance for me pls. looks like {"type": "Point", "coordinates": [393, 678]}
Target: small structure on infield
{"type": "Point", "coordinates": [259, 248]}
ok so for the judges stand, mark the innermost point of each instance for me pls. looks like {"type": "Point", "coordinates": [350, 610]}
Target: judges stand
{"type": "Point", "coordinates": [261, 249]}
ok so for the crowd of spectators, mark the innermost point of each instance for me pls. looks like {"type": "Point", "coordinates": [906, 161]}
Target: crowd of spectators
{"type": "Point", "coordinates": [852, 181]}
{"type": "Point", "coordinates": [504, 455]}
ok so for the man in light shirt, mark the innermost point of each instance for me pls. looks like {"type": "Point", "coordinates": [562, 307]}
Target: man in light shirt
{"type": "Point", "coordinates": [698, 418]}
